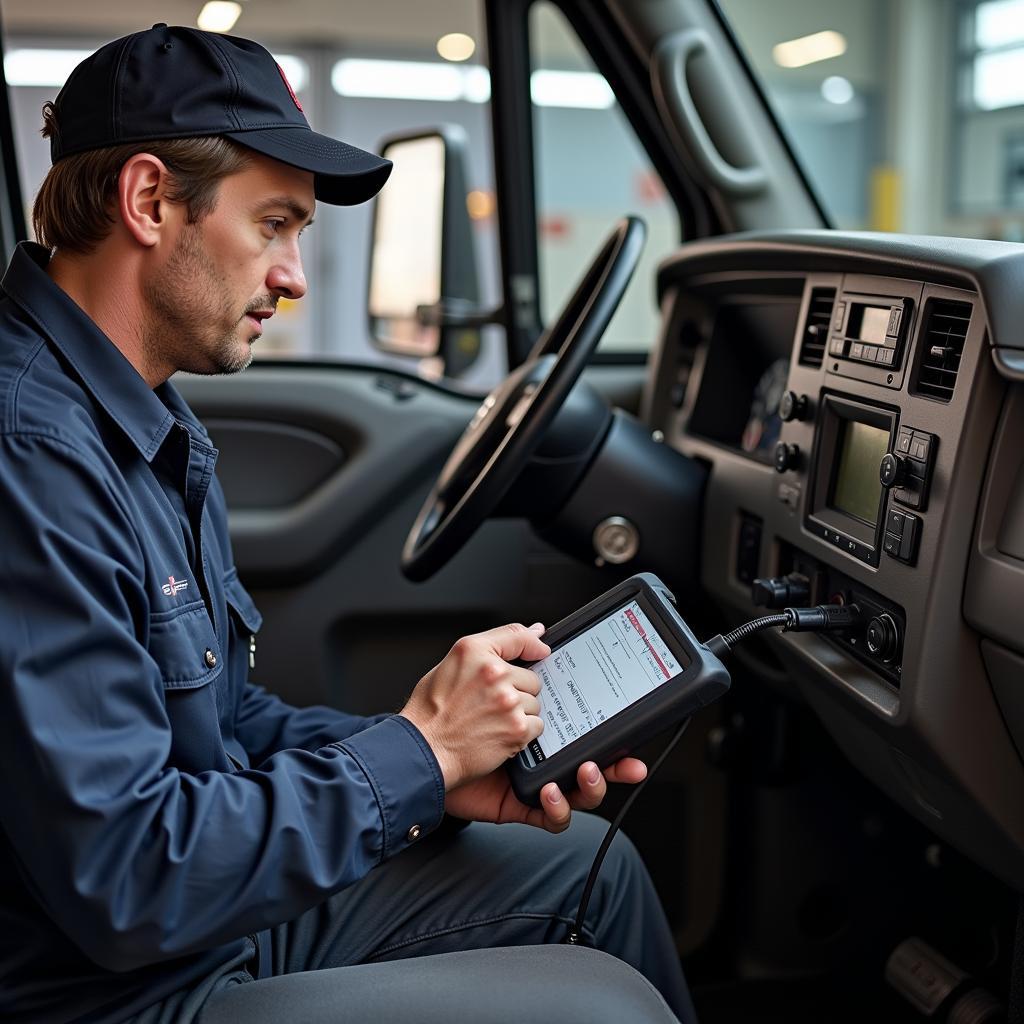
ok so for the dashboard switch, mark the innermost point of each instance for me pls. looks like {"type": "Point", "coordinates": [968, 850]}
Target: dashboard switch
{"type": "Point", "coordinates": [787, 456]}
{"type": "Point", "coordinates": [793, 406]}
{"type": "Point", "coordinates": [902, 532]}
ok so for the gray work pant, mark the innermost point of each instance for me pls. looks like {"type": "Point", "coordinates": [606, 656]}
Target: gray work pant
{"type": "Point", "coordinates": [468, 926]}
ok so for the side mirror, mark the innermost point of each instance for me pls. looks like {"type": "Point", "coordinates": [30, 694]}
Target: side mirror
{"type": "Point", "coordinates": [424, 293]}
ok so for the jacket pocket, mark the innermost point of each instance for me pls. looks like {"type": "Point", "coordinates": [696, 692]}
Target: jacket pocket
{"type": "Point", "coordinates": [183, 643]}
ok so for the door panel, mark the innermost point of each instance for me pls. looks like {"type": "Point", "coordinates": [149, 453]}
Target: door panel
{"type": "Point", "coordinates": [318, 546]}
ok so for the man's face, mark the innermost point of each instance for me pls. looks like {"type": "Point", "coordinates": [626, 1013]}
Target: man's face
{"type": "Point", "coordinates": [222, 277]}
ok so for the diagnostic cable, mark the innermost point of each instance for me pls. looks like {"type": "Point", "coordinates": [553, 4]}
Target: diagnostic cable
{"type": "Point", "coordinates": [822, 618]}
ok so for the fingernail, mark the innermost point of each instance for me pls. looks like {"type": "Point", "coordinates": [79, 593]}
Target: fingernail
{"type": "Point", "coordinates": [537, 627]}
{"type": "Point", "coordinates": [593, 773]}
{"type": "Point", "coordinates": [552, 795]}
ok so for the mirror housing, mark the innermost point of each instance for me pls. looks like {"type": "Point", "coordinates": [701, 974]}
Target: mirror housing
{"type": "Point", "coordinates": [423, 297]}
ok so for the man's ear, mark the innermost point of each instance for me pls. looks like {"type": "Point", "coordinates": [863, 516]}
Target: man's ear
{"type": "Point", "coordinates": [142, 198]}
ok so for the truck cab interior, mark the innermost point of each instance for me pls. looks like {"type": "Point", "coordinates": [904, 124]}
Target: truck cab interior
{"type": "Point", "coordinates": [730, 292]}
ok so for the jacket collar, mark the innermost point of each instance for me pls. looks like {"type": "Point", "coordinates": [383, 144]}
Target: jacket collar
{"type": "Point", "coordinates": [146, 416]}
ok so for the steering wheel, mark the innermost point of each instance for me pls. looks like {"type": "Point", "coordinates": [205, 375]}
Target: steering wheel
{"type": "Point", "coordinates": [512, 419]}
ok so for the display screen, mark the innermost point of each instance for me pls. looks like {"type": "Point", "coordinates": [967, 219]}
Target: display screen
{"type": "Point", "coordinates": [873, 325]}
{"type": "Point", "coordinates": [857, 487]}
{"type": "Point", "coordinates": [598, 673]}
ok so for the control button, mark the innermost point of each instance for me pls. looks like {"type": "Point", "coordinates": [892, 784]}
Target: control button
{"type": "Point", "coordinates": [787, 456]}
{"type": "Point", "coordinates": [919, 448]}
{"type": "Point", "coordinates": [908, 542]}
{"type": "Point", "coordinates": [835, 346]}
{"type": "Point", "coordinates": [894, 524]}
{"type": "Point", "coordinates": [904, 440]}
{"type": "Point", "coordinates": [882, 637]}
{"type": "Point", "coordinates": [887, 356]}
{"type": "Point", "coordinates": [894, 320]}
{"type": "Point", "coordinates": [910, 494]}
{"type": "Point", "coordinates": [414, 833]}
{"type": "Point", "coordinates": [210, 658]}
{"type": "Point", "coordinates": [892, 470]}
{"type": "Point", "coordinates": [891, 545]}
{"type": "Point", "coordinates": [840, 313]}
{"type": "Point", "coordinates": [870, 353]}
{"type": "Point", "coordinates": [793, 406]}
{"type": "Point", "coordinates": [857, 350]}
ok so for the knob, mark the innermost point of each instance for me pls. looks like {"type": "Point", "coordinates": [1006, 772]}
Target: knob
{"type": "Point", "coordinates": [882, 637]}
{"type": "Point", "coordinates": [892, 470]}
{"type": "Point", "coordinates": [787, 456]}
{"type": "Point", "coordinates": [793, 406]}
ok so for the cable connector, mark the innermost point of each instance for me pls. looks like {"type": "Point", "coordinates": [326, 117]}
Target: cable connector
{"type": "Point", "coordinates": [822, 618]}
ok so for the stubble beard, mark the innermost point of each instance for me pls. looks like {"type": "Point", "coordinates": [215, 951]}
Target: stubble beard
{"type": "Point", "coordinates": [188, 326]}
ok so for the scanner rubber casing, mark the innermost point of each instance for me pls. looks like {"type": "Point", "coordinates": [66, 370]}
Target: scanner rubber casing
{"type": "Point", "coordinates": [703, 679]}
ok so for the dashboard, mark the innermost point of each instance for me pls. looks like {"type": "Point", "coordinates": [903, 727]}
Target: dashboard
{"type": "Point", "coordinates": [859, 401]}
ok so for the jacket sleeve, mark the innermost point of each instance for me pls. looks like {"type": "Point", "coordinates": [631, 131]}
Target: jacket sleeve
{"type": "Point", "coordinates": [136, 861]}
{"type": "Point", "coordinates": [266, 724]}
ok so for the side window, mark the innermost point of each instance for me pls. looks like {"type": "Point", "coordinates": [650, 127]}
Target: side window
{"type": "Point", "coordinates": [590, 170]}
{"type": "Point", "coordinates": [351, 86]}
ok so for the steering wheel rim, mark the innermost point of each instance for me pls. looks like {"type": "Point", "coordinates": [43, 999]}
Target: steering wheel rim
{"type": "Point", "coordinates": [512, 419]}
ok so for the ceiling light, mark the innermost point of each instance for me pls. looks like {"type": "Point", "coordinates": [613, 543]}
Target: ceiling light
{"type": "Point", "coordinates": [837, 89]}
{"type": "Point", "coordinates": [456, 46]}
{"type": "Point", "coordinates": [997, 79]}
{"type": "Point", "coordinates": [398, 80]}
{"type": "Point", "coordinates": [571, 89]}
{"type": "Point", "coordinates": [219, 16]}
{"type": "Point", "coordinates": [47, 68]}
{"type": "Point", "coordinates": [998, 22]}
{"type": "Point", "coordinates": [808, 49]}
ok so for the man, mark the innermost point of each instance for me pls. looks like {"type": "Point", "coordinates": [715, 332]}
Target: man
{"type": "Point", "coordinates": [177, 844]}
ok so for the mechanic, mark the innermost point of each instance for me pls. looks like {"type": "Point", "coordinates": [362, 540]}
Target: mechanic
{"type": "Point", "coordinates": [177, 843]}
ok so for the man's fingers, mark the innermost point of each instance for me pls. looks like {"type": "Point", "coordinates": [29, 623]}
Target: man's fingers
{"type": "Point", "coordinates": [557, 811]}
{"type": "Point", "coordinates": [525, 680]}
{"type": "Point", "coordinates": [516, 641]}
{"type": "Point", "coordinates": [630, 770]}
{"type": "Point", "coordinates": [530, 705]}
{"type": "Point", "coordinates": [592, 787]}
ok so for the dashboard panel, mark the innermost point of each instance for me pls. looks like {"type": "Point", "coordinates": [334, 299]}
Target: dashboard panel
{"type": "Point", "coordinates": [858, 400]}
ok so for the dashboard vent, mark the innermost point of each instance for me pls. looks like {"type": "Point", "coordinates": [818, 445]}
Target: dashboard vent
{"type": "Point", "coordinates": [942, 345]}
{"type": "Point", "coordinates": [815, 336]}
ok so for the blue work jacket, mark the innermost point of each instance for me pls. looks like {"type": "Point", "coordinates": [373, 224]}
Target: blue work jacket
{"type": "Point", "coordinates": [159, 811]}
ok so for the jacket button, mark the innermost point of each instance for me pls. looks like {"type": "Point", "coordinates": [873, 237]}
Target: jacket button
{"type": "Point", "coordinates": [414, 833]}
{"type": "Point", "coordinates": [210, 658]}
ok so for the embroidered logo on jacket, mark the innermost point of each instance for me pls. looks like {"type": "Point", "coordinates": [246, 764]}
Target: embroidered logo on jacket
{"type": "Point", "coordinates": [172, 586]}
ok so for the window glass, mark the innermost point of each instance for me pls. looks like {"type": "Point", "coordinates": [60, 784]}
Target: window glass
{"type": "Point", "coordinates": [590, 170]}
{"type": "Point", "coordinates": [907, 116]}
{"type": "Point", "coordinates": [375, 70]}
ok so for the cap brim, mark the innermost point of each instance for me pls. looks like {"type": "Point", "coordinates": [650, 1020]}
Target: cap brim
{"type": "Point", "coordinates": [344, 174]}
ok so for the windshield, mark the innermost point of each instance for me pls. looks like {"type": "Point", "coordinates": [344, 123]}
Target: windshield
{"type": "Point", "coordinates": [906, 116]}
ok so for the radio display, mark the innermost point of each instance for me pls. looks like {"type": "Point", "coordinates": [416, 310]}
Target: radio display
{"type": "Point", "coordinates": [869, 323]}
{"type": "Point", "coordinates": [857, 489]}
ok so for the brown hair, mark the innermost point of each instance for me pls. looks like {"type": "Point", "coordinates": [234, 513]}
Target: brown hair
{"type": "Point", "coordinates": [73, 208]}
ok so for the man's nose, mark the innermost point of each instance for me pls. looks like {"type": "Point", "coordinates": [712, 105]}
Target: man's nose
{"type": "Point", "coordinates": [285, 278]}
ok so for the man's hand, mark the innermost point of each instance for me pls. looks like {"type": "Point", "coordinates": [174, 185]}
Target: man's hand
{"type": "Point", "coordinates": [474, 709]}
{"type": "Point", "coordinates": [492, 798]}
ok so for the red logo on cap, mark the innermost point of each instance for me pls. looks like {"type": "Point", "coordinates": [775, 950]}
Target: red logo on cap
{"type": "Point", "coordinates": [291, 91]}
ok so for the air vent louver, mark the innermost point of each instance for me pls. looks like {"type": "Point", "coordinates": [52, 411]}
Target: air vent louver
{"type": "Point", "coordinates": [815, 336]}
{"type": "Point", "coordinates": [942, 345]}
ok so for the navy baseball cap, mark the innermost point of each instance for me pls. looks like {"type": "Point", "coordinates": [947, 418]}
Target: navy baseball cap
{"type": "Point", "coordinates": [171, 82]}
